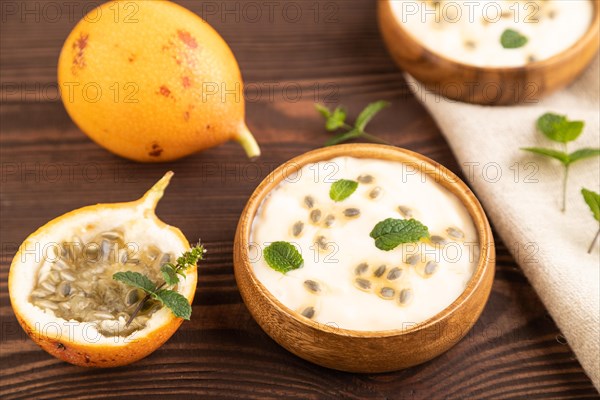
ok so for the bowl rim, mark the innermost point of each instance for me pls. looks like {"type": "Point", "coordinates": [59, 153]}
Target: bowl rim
{"type": "Point", "coordinates": [589, 36]}
{"type": "Point", "coordinates": [369, 150]}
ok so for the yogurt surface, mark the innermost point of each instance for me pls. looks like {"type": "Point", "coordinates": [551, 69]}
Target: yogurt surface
{"type": "Point", "coordinates": [418, 280]}
{"type": "Point", "coordinates": [469, 31]}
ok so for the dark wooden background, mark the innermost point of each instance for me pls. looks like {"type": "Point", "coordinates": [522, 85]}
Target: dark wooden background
{"type": "Point", "coordinates": [49, 167]}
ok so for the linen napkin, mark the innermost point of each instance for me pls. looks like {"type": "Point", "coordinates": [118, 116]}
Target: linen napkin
{"type": "Point", "coordinates": [521, 194]}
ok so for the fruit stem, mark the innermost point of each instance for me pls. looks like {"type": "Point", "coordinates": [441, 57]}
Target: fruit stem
{"type": "Point", "coordinates": [245, 138]}
{"type": "Point", "coordinates": [153, 196]}
{"type": "Point", "coordinates": [564, 189]}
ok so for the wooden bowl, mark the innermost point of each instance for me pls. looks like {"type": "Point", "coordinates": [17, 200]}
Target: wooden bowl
{"type": "Point", "coordinates": [365, 351]}
{"type": "Point", "coordinates": [486, 85]}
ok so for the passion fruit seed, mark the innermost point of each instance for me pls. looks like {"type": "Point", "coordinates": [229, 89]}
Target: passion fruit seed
{"type": "Point", "coordinates": [308, 312]}
{"type": "Point", "coordinates": [309, 202]}
{"type": "Point", "coordinates": [67, 276]}
{"type": "Point", "coordinates": [405, 211]}
{"type": "Point", "coordinates": [47, 304]}
{"type": "Point", "coordinates": [438, 240]}
{"type": "Point", "coordinates": [321, 241]}
{"type": "Point", "coordinates": [430, 267]}
{"type": "Point", "coordinates": [366, 179]}
{"type": "Point", "coordinates": [312, 286]}
{"type": "Point", "coordinates": [413, 259]}
{"type": "Point", "coordinates": [361, 268]}
{"type": "Point", "coordinates": [351, 212]}
{"type": "Point", "coordinates": [394, 274]}
{"type": "Point", "coordinates": [380, 271]}
{"type": "Point", "coordinates": [297, 228]}
{"type": "Point", "coordinates": [165, 259]}
{"type": "Point", "coordinates": [329, 220]}
{"type": "Point", "coordinates": [455, 233]}
{"type": "Point", "coordinates": [132, 297]}
{"type": "Point", "coordinates": [79, 287]}
{"type": "Point", "coordinates": [362, 283]}
{"type": "Point", "coordinates": [113, 236]}
{"type": "Point", "coordinates": [387, 293]}
{"type": "Point", "coordinates": [406, 296]}
{"type": "Point", "coordinates": [375, 193]}
{"type": "Point", "coordinates": [64, 289]}
{"type": "Point", "coordinates": [315, 216]}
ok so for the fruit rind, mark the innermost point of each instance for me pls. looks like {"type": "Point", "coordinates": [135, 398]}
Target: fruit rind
{"type": "Point", "coordinates": [65, 339]}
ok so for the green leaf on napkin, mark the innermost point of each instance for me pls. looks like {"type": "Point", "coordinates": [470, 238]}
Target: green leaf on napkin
{"type": "Point", "coordinates": [557, 155]}
{"type": "Point", "coordinates": [564, 158]}
{"type": "Point", "coordinates": [593, 201]}
{"type": "Point", "coordinates": [582, 154]}
{"type": "Point", "coordinates": [559, 129]}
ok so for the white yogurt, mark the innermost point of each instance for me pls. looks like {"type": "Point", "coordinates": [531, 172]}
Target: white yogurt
{"type": "Point", "coordinates": [340, 302]}
{"type": "Point", "coordinates": [469, 31]}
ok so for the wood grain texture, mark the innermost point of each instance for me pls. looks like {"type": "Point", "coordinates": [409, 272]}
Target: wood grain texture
{"type": "Point", "coordinates": [358, 351]}
{"type": "Point", "coordinates": [49, 167]}
{"type": "Point", "coordinates": [487, 85]}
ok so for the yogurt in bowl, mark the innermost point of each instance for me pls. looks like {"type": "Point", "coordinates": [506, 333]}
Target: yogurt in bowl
{"type": "Point", "coordinates": [491, 52]}
{"type": "Point", "coordinates": [364, 257]}
{"type": "Point", "coordinates": [345, 279]}
{"type": "Point", "coordinates": [471, 32]}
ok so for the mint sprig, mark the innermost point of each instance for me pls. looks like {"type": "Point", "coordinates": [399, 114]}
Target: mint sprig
{"type": "Point", "coordinates": [593, 201]}
{"type": "Point", "coordinates": [176, 302]}
{"type": "Point", "coordinates": [283, 257]}
{"type": "Point", "coordinates": [559, 129]}
{"type": "Point", "coordinates": [511, 39]}
{"type": "Point", "coordinates": [342, 189]}
{"type": "Point", "coordinates": [336, 119]}
{"type": "Point", "coordinates": [390, 233]}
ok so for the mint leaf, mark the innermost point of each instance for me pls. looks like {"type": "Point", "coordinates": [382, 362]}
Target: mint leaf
{"type": "Point", "coordinates": [336, 120]}
{"type": "Point", "coordinates": [583, 153]}
{"type": "Point", "coordinates": [175, 301]}
{"type": "Point", "coordinates": [558, 155]}
{"type": "Point", "coordinates": [282, 257]}
{"type": "Point", "coordinates": [512, 39]}
{"type": "Point", "coordinates": [368, 113]}
{"type": "Point", "coordinates": [564, 158]}
{"type": "Point", "coordinates": [169, 274]}
{"type": "Point", "coordinates": [324, 111]}
{"type": "Point", "coordinates": [342, 189]}
{"type": "Point", "coordinates": [593, 201]}
{"type": "Point", "coordinates": [390, 233]}
{"type": "Point", "coordinates": [342, 137]}
{"type": "Point", "coordinates": [135, 279]}
{"type": "Point", "coordinates": [559, 128]}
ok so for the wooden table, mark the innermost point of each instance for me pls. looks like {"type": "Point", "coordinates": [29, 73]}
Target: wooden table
{"type": "Point", "coordinates": [49, 167]}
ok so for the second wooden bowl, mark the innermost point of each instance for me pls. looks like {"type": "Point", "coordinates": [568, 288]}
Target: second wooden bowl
{"type": "Point", "coordinates": [365, 351]}
{"type": "Point", "coordinates": [486, 85]}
